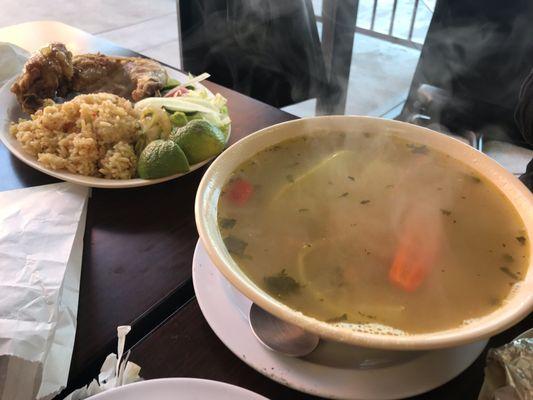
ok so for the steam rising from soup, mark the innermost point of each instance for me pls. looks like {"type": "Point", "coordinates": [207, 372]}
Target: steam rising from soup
{"type": "Point", "coordinates": [374, 231]}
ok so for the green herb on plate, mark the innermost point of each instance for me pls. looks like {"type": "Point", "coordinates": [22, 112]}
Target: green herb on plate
{"type": "Point", "coordinates": [171, 83]}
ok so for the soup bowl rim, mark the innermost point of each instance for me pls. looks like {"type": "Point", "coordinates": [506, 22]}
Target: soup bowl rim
{"type": "Point", "coordinates": [520, 304]}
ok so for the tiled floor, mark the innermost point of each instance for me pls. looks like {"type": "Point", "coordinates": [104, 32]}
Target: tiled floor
{"type": "Point", "coordinates": [380, 74]}
{"type": "Point", "coordinates": [402, 20]}
{"type": "Point", "coordinates": [156, 38]}
{"type": "Point", "coordinates": [147, 26]}
{"type": "Point", "coordinates": [381, 71]}
{"type": "Point", "coordinates": [380, 77]}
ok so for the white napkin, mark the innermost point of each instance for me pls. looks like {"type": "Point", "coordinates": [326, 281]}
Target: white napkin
{"type": "Point", "coordinates": [41, 243]}
{"type": "Point", "coordinates": [116, 371]}
{"type": "Point", "coordinates": [12, 59]}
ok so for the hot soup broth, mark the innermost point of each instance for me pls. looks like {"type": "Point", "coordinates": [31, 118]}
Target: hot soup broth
{"type": "Point", "coordinates": [371, 230]}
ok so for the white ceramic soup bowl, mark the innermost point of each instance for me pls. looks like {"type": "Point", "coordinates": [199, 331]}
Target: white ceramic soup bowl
{"type": "Point", "coordinates": [518, 305]}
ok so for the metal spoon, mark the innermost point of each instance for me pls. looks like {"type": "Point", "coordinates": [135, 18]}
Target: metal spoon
{"type": "Point", "coordinates": [290, 340]}
{"type": "Point", "coordinates": [279, 335]}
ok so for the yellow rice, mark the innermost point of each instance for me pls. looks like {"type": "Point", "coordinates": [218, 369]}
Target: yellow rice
{"type": "Point", "coordinates": [93, 134]}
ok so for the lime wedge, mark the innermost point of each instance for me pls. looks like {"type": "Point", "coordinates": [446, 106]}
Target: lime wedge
{"type": "Point", "coordinates": [199, 140]}
{"type": "Point", "coordinates": [161, 158]}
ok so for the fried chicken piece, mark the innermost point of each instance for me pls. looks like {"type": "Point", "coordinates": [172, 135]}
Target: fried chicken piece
{"type": "Point", "coordinates": [130, 77]}
{"type": "Point", "coordinates": [46, 75]}
{"type": "Point", "coordinates": [94, 73]}
{"type": "Point", "coordinates": [54, 72]}
{"type": "Point", "coordinates": [149, 76]}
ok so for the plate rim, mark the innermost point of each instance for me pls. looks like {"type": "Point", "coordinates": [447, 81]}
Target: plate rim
{"type": "Point", "coordinates": [179, 381]}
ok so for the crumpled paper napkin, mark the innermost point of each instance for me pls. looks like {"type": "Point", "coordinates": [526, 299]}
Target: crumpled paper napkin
{"type": "Point", "coordinates": [509, 371]}
{"type": "Point", "coordinates": [41, 244]}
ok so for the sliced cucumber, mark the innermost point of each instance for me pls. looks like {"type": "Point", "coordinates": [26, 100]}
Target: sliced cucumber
{"type": "Point", "coordinates": [174, 104]}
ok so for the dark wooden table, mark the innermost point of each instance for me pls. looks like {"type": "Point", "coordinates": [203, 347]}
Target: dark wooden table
{"type": "Point", "coordinates": [138, 243]}
{"type": "Point", "coordinates": [138, 250]}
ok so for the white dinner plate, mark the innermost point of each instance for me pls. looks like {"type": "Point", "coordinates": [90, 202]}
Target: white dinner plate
{"type": "Point", "coordinates": [330, 370]}
{"type": "Point", "coordinates": [10, 111]}
{"type": "Point", "coordinates": [178, 389]}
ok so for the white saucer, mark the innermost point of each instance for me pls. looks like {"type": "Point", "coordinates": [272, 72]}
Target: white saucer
{"type": "Point", "coordinates": [333, 371]}
{"type": "Point", "coordinates": [178, 388]}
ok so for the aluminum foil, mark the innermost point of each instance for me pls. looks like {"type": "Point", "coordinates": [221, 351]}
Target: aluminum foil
{"type": "Point", "coordinates": [509, 371]}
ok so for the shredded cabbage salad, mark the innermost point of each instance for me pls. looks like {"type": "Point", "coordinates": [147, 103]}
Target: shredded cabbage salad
{"type": "Point", "coordinates": [195, 103]}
